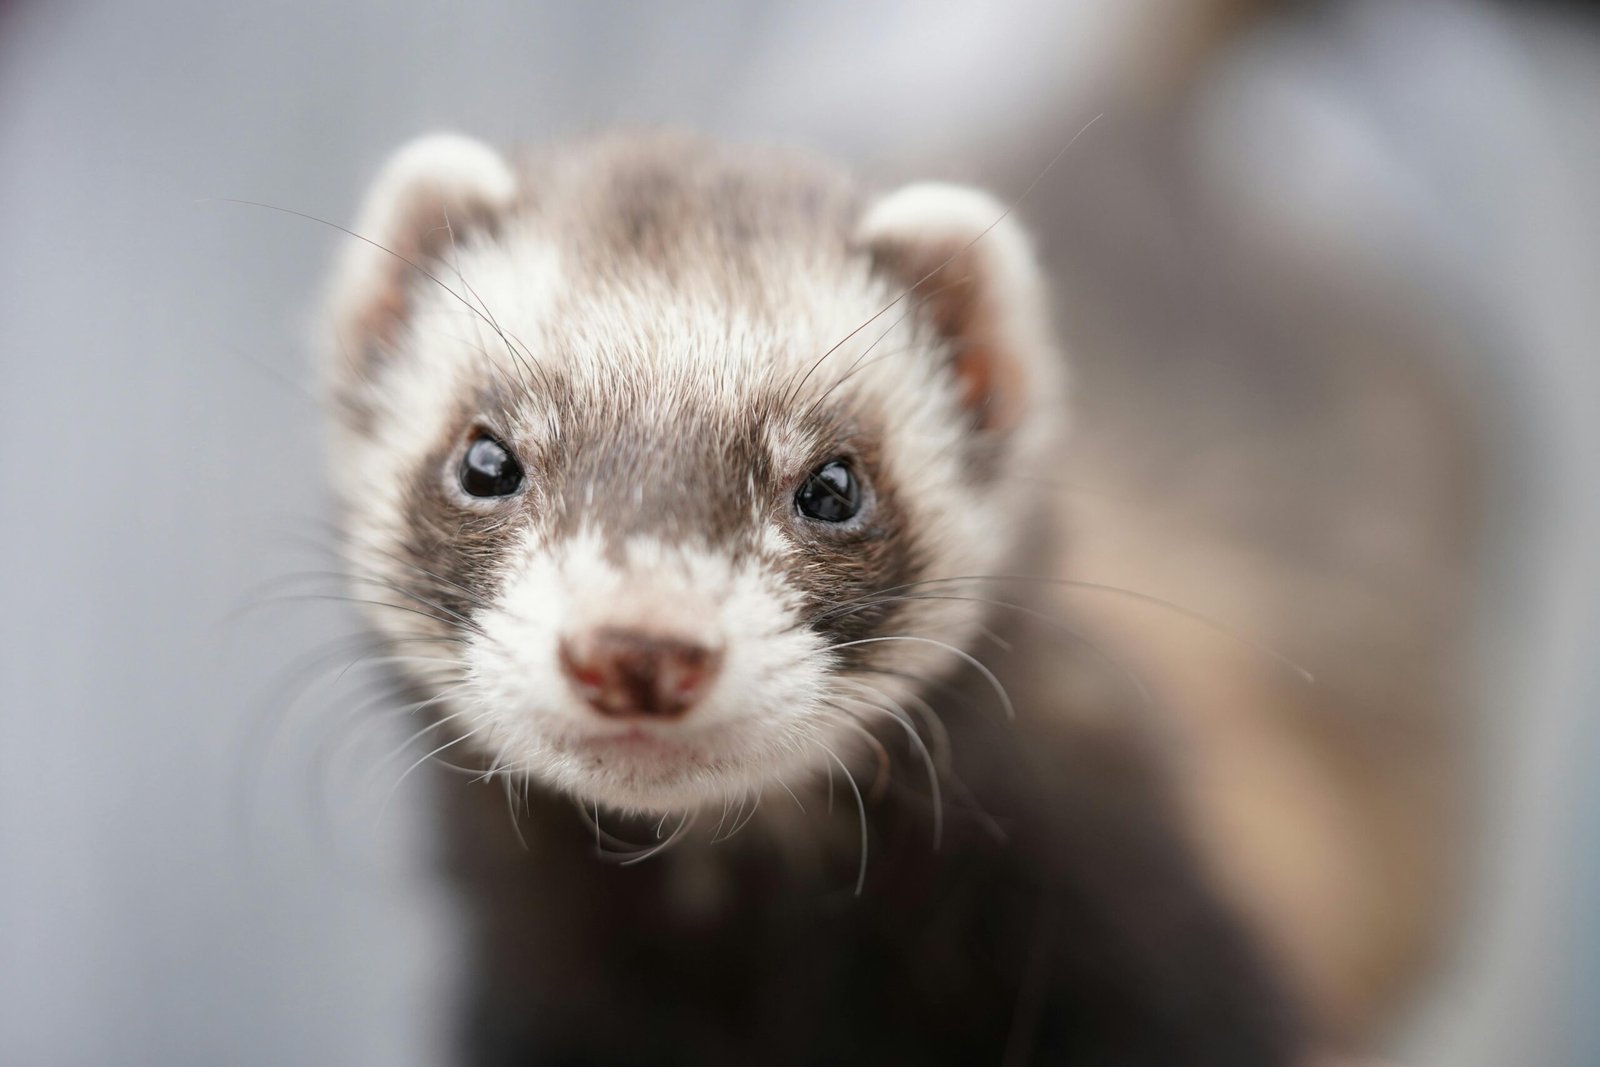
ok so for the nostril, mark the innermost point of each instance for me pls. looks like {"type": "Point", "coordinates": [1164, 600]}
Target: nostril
{"type": "Point", "coordinates": [587, 677]}
{"type": "Point", "coordinates": [627, 673]}
{"type": "Point", "coordinates": [685, 672]}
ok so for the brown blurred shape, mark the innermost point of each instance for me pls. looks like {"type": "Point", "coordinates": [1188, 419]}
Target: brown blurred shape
{"type": "Point", "coordinates": [1266, 433]}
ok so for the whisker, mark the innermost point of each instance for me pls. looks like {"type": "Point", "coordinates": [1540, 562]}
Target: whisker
{"type": "Point", "coordinates": [727, 803]}
{"type": "Point", "coordinates": [295, 598]}
{"type": "Point", "coordinates": [1095, 587]}
{"type": "Point", "coordinates": [401, 780]}
{"type": "Point", "coordinates": [413, 264]}
{"type": "Point", "coordinates": [273, 712]}
{"type": "Point", "coordinates": [857, 365]}
{"type": "Point", "coordinates": [511, 810]}
{"type": "Point", "coordinates": [408, 742]}
{"type": "Point", "coordinates": [917, 743]}
{"type": "Point", "coordinates": [785, 787]}
{"type": "Point", "coordinates": [940, 740]}
{"type": "Point", "coordinates": [861, 811]}
{"type": "Point", "coordinates": [1127, 672]}
{"type": "Point", "coordinates": [793, 392]}
{"type": "Point", "coordinates": [880, 780]}
{"type": "Point", "coordinates": [744, 798]}
{"type": "Point", "coordinates": [977, 664]}
{"type": "Point", "coordinates": [684, 824]}
{"type": "Point", "coordinates": [340, 538]}
{"type": "Point", "coordinates": [330, 750]}
{"type": "Point", "coordinates": [755, 806]}
{"type": "Point", "coordinates": [625, 853]}
{"type": "Point", "coordinates": [526, 365]}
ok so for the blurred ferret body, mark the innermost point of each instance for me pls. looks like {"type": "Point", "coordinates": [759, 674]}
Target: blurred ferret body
{"type": "Point", "coordinates": [705, 495]}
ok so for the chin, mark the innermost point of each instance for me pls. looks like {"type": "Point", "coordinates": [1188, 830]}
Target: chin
{"type": "Point", "coordinates": [641, 768]}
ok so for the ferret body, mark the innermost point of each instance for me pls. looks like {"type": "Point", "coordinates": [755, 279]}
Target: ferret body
{"type": "Point", "coordinates": [696, 481]}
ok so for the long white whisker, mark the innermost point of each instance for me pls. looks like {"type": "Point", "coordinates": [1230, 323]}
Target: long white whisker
{"type": "Point", "coordinates": [1128, 673]}
{"type": "Point", "coordinates": [755, 806]}
{"type": "Point", "coordinates": [899, 715]}
{"type": "Point", "coordinates": [401, 780]}
{"type": "Point", "coordinates": [511, 810]}
{"type": "Point", "coordinates": [861, 810]}
{"type": "Point", "coordinates": [941, 747]}
{"type": "Point", "coordinates": [1000, 690]}
{"type": "Point", "coordinates": [1196, 617]}
{"type": "Point", "coordinates": [684, 823]}
{"type": "Point", "coordinates": [785, 787]}
{"type": "Point", "coordinates": [442, 695]}
{"type": "Point", "coordinates": [744, 798]}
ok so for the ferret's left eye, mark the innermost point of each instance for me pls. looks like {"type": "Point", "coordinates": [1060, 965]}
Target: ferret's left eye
{"type": "Point", "coordinates": [832, 493]}
{"type": "Point", "coordinates": [489, 469]}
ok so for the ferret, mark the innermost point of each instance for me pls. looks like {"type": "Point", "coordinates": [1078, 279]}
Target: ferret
{"type": "Point", "coordinates": [698, 488]}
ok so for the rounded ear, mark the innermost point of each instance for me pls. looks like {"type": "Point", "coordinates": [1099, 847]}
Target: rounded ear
{"type": "Point", "coordinates": [431, 193]}
{"type": "Point", "coordinates": [971, 268]}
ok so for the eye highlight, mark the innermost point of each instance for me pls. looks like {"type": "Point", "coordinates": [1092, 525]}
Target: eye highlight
{"type": "Point", "coordinates": [831, 493]}
{"type": "Point", "coordinates": [489, 469]}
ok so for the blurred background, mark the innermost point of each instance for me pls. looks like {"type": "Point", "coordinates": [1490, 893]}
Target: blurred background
{"type": "Point", "coordinates": [1329, 274]}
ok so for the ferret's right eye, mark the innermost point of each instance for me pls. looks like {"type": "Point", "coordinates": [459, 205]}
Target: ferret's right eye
{"type": "Point", "coordinates": [489, 469]}
{"type": "Point", "coordinates": [832, 494]}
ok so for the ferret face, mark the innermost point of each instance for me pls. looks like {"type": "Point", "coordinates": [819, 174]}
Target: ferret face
{"type": "Point", "coordinates": [655, 454]}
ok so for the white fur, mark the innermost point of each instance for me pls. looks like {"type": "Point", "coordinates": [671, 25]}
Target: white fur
{"type": "Point", "coordinates": [960, 219]}
{"type": "Point", "coordinates": [751, 723]}
{"type": "Point", "coordinates": [678, 353]}
{"type": "Point", "coordinates": [432, 176]}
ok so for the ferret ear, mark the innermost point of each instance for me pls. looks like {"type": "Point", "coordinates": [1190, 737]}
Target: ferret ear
{"type": "Point", "coordinates": [434, 191]}
{"type": "Point", "coordinates": [972, 272]}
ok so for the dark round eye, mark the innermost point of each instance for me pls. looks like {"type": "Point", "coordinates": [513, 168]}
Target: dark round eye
{"type": "Point", "coordinates": [832, 493]}
{"type": "Point", "coordinates": [488, 469]}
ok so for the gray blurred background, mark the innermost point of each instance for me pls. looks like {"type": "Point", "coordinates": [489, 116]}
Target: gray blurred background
{"type": "Point", "coordinates": [1332, 277]}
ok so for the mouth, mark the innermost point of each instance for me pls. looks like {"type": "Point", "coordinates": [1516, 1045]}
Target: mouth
{"type": "Point", "coordinates": [648, 768]}
{"type": "Point", "coordinates": [646, 758]}
{"type": "Point", "coordinates": [633, 742]}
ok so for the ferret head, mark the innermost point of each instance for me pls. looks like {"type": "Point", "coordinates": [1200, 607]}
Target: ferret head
{"type": "Point", "coordinates": [650, 450]}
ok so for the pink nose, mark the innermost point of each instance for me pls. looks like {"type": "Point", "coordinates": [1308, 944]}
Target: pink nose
{"type": "Point", "coordinates": [627, 674]}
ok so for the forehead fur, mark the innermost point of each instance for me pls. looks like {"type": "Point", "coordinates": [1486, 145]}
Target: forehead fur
{"type": "Point", "coordinates": [688, 269]}
{"type": "Point", "coordinates": [665, 313]}
{"type": "Point", "coordinates": [689, 210]}
{"type": "Point", "coordinates": [661, 290]}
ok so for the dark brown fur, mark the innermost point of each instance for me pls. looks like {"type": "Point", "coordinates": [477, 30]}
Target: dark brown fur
{"type": "Point", "coordinates": [1066, 919]}
{"type": "Point", "coordinates": [1062, 921]}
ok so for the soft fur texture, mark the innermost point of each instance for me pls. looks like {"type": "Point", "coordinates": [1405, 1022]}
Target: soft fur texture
{"type": "Point", "coordinates": [670, 335]}
{"type": "Point", "coordinates": [655, 329]}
